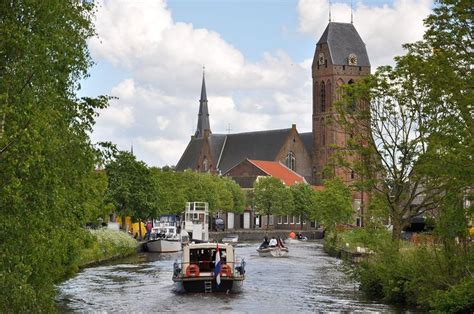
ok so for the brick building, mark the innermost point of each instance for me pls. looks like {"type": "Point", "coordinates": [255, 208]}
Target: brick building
{"type": "Point", "coordinates": [340, 58]}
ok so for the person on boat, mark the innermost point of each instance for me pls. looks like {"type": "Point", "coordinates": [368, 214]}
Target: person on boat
{"type": "Point", "coordinates": [280, 242]}
{"type": "Point", "coordinates": [265, 243]}
{"type": "Point", "coordinates": [273, 242]}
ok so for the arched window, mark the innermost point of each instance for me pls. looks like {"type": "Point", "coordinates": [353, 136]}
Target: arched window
{"type": "Point", "coordinates": [329, 93]}
{"type": "Point", "coordinates": [205, 164]}
{"type": "Point", "coordinates": [322, 97]}
{"type": "Point", "coordinates": [315, 96]}
{"type": "Point", "coordinates": [352, 105]}
{"type": "Point", "coordinates": [291, 161]}
{"type": "Point", "coordinates": [323, 133]}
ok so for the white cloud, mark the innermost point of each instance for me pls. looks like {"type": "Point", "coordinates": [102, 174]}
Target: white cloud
{"type": "Point", "coordinates": [158, 104]}
{"type": "Point", "coordinates": [383, 28]}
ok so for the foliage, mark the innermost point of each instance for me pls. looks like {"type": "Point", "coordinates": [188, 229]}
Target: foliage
{"type": "Point", "coordinates": [46, 159]}
{"type": "Point", "coordinates": [333, 205]}
{"type": "Point", "coordinates": [238, 198]}
{"type": "Point", "coordinates": [170, 191]}
{"type": "Point", "coordinates": [106, 244]}
{"type": "Point", "coordinates": [272, 197]}
{"type": "Point", "coordinates": [457, 299]}
{"type": "Point", "coordinates": [304, 202]}
{"type": "Point", "coordinates": [132, 188]}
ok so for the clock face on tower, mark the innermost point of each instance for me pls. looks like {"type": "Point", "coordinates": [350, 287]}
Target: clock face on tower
{"type": "Point", "coordinates": [321, 58]}
{"type": "Point", "coordinates": [352, 59]}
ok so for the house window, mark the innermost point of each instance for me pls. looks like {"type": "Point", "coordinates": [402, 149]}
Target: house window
{"type": "Point", "coordinates": [322, 96]}
{"type": "Point", "coordinates": [280, 219]}
{"type": "Point", "coordinates": [270, 220]}
{"type": "Point", "coordinates": [293, 219]}
{"type": "Point", "coordinates": [285, 220]}
{"type": "Point", "coordinates": [299, 220]}
{"type": "Point", "coordinates": [291, 161]}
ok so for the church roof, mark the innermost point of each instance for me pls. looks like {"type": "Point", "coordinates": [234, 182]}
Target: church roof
{"type": "Point", "coordinates": [260, 145]}
{"type": "Point", "coordinates": [189, 158]}
{"type": "Point", "coordinates": [229, 150]}
{"type": "Point", "coordinates": [342, 40]}
{"type": "Point", "coordinates": [279, 171]}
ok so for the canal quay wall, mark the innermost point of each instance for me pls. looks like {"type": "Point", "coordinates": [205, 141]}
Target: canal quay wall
{"type": "Point", "coordinates": [258, 235]}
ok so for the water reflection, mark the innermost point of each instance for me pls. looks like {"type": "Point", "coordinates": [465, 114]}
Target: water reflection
{"type": "Point", "coordinates": [307, 281]}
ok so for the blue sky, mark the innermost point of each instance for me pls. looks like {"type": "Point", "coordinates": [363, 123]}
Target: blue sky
{"type": "Point", "coordinates": [257, 55]}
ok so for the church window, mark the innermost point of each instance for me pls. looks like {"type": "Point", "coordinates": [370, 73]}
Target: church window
{"type": "Point", "coordinates": [352, 105]}
{"type": "Point", "coordinates": [315, 96]}
{"type": "Point", "coordinates": [205, 164]}
{"type": "Point", "coordinates": [323, 133]}
{"type": "Point", "coordinates": [291, 161]}
{"type": "Point", "coordinates": [322, 96]}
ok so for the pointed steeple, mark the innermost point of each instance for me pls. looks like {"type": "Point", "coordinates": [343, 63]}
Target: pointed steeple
{"type": "Point", "coordinates": [203, 116]}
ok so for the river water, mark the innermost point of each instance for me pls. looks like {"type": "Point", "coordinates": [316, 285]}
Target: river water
{"type": "Point", "coordinates": [307, 281]}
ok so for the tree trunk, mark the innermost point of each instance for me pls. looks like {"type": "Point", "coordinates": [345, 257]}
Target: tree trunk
{"type": "Point", "coordinates": [397, 229]}
{"type": "Point", "coordinates": [140, 228]}
{"type": "Point", "coordinates": [124, 222]}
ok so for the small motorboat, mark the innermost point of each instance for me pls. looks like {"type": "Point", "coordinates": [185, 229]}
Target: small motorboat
{"type": "Point", "coordinates": [209, 267]}
{"type": "Point", "coordinates": [231, 239]}
{"type": "Point", "coordinates": [273, 248]}
{"type": "Point", "coordinates": [273, 251]}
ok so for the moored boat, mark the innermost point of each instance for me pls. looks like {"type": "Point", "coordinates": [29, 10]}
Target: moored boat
{"type": "Point", "coordinates": [165, 240]}
{"type": "Point", "coordinates": [209, 267]}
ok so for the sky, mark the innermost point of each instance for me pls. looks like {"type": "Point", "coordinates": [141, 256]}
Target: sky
{"type": "Point", "coordinates": [257, 54]}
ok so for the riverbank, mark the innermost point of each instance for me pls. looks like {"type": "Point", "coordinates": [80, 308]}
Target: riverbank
{"type": "Point", "coordinates": [104, 245]}
{"type": "Point", "coordinates": [258, 234]}
{"type": "Point", "coordinates": [425, 274]}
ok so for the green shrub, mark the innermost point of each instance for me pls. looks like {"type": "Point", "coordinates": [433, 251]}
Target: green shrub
{"type": "Point", "coordinates": [457, 299]}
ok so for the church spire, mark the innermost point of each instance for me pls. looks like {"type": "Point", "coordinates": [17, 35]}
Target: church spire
{"type": "Point", "coordinates": [203, 116]}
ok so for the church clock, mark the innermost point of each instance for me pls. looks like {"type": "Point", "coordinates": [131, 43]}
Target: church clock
{"type": "Point", "coordinates": [352, 59]}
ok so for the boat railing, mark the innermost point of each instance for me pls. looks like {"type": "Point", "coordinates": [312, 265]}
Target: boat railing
{"type": "Point", "coordinates": [238, 267]}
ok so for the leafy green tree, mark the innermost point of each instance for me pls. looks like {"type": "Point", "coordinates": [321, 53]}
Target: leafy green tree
{"type": "Point", "coordinates": [46, 158]}
{"type": "Point", "coordinates": [238, 199]}
{"type": "Point", "coordinates": [132, 188]}
{"type": "Point", "coordinates": [170, 191]}
{"type": "Point", "coordinates": [333, 205]}
{"type": "Point", "coordinates": [303, 200]}
{"type": "Point", "coordinates": [272, 197]}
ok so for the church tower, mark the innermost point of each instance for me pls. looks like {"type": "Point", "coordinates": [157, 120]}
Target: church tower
{"type": "Point", "coordinates": [203, 115]}
{"type": "Point", "coordinates": [340, 58]}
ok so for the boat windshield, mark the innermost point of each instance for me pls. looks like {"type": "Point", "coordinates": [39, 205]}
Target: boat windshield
{"type": "Point", "coordinates": [205, 258]}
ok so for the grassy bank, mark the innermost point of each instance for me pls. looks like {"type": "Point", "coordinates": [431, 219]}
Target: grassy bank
{"type": "Point", "coordinates": [426, 275]}
{"type": "Point", "coordinates": [104, 244]}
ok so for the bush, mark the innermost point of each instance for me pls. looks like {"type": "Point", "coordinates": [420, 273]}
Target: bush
{"type": "Point", "coordinates": [106, 244]}
{"type": "Point", "coordinates": [457, 299]}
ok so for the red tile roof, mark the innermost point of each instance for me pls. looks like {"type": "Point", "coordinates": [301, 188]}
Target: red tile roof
{"type": "Point", "coordinates": [278, 170]}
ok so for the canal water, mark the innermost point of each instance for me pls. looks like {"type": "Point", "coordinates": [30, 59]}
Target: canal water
{"type": "Point", "coordinates": [307, 281]}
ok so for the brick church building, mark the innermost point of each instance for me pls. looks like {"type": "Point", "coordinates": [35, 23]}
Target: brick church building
{"type": "Point", "coordinates": [340, 58]}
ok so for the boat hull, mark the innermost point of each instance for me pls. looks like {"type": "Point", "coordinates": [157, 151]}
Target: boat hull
{"type": "Point", "coordinates": [199, 285]}
{"type": "Point", "coordinates": [164, 246]}
{"type": "Point", "coordinates": [273, 252]}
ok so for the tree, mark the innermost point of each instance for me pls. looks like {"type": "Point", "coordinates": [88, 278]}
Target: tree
{"type": "Point", "coordinates": [333, 205]}
{"type": "Point", "coordinates": [238, 198]}
{"type": "Point", "coordinates": [46, 158]}
{"type": "Point", "coordinates": [170, 191]}
{"type": "Point", "coordinates": [303, 200]}
{"type": "Point", "coordinates": [132, 188]}
{"type": "Point", "coordinates": [272, 197]}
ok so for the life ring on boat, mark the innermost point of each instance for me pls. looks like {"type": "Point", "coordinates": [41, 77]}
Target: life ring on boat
{"type": "Point", "coordinates": [226, 270]}
{"type": "Point", "coordinates": [192, 270]}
